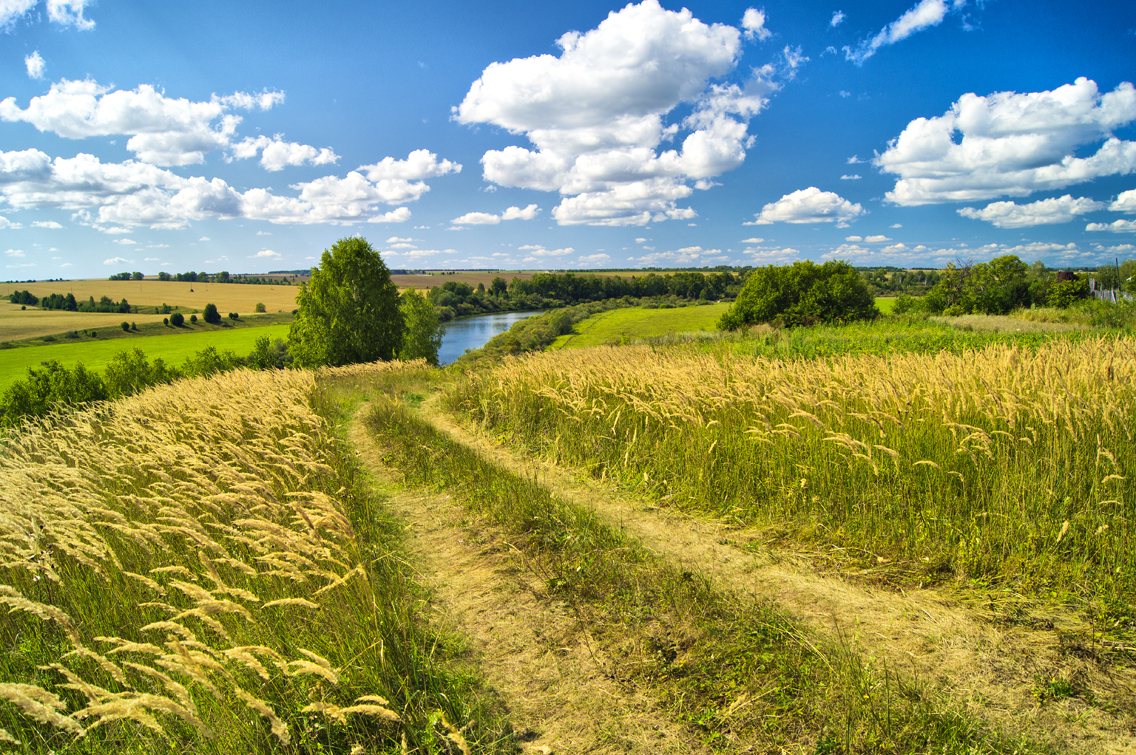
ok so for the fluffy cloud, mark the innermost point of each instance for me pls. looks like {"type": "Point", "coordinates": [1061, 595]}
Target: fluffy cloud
{"type": "Point", "coordinates": [5, 223]}
{"type": "Point", "coordinates": [754, 24]}
{"type": "Point", "coordinates": [1044, 212]}
{"type": "Point", "coordinates": [1125, 202]}
{"type": "Point", "coordinates": [162, 130]}
{"type": "Point", "coordinates": [595, 115]}
{"type": "Point", "coordinates": [1116, 226]}
{"type": "Point", "coordinates": [63, 12]}
{"type": "Point", "coordinates": [537, 250]}
{"type": "Point", "coordinates": [266, 254]}
{"type": "Point", "coordinates": [680, 257]}
{"type": "Point", "coordinates": [35, 65]}
{"type": "Point", "coordinates": [485, 218]}
{"type": "Point", "coordinates": [15, 252]}
{"type": "Point", "coordinates": [926, 14]}
{"type": "Point", "coordinates": [809, 205]}
{"type": "Point", "coordinates": [1012, 145]}
{"type": "Point", "coordinates": [117, 261]}
{"type": "Point", "coordinates": [46, 224]}
{"type": "Point", "coordinates": [123, 195]}
{"type": "Point", "coordinates": [276, 154]}
{"type": "Point", "coordinates": [837, 18]}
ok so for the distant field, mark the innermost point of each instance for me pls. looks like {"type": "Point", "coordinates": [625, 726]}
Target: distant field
{"type": "Point", "coordinates": [617, 325]}
{"type": "Point", "coordinates": [96, 354]}
{"type": "Point", "coordinates": [886, 304]}
{"type": "Point", "coordinates": [16, 325]}
{"type": "Point", "coordinates": [229, 297]}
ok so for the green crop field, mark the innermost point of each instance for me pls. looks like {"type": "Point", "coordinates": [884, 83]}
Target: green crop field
{"type": "Point", "coordinates": [885, 304]}
{"type": "Point", "coordinates": [625, 325]}
{"type": "Point", "coordinates": [96, 354]}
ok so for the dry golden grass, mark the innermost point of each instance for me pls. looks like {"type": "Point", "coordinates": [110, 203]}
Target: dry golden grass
{"type": "Point", "coordinates": [185, 564]}
{"type": "Point", "coordinates": [33, 323]}
{"type": "Point", "coordinates": [1006, 464]}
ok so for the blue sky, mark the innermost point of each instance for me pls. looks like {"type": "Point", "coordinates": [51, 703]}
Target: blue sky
{"type": "Point", "coordinates": [249, 136]}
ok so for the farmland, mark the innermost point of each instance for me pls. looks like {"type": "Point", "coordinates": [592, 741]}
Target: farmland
{"type": "Point", "coordinates": [898, 537]}
{"type": "Point", "coordinates": [94, 354]}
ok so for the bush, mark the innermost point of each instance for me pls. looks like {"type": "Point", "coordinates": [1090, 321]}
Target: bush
{"type": "Point", "coordinates": [177, 319]}
{"type": "Point", "coordinates": [166, 321]}
{"type": "Point", "coordinates": [211, 315]}
{"type": "Point", "coordinates": [47, 389]}
{"type": "Point", "coordinates": [193, 319]}
{"type": "Point", "coordinates": [126, 326]}
{"type": "Point", "coordinates": [260, 308]}
{"type": "Point", "coordinates": [803, 293]}
{"type": "Point", "coordinates": [234, 316]}
{"type": "Point", "coordinates": [134, 327]}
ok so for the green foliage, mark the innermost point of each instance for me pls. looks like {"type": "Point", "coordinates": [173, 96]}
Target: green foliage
{"type": "Point", "coordinates": [47, 389]}
{"type": "Point", "coordinates": [266, 355]}
{"type": "Point", "coordinates": [211, 315]}
{"type": "Point", "coordinates": [803, 293]}
{"type": "Point", "coordinates": [129, 372]}
{"type": "Point", "coordinates": [234, 316]}
{"type": "Point", "coordinates": [193, 319]}
{"type": "Point", "coordinates": [209, 361]}
{"type": "Point", "coordinates": [1066, 292]}
{"type": "Point", "coordinates": [177, 319]}
{"type": "Point", "coordinates": [423, 333]}
{"type": "Point", "coordinates": [260, 308]}
{"type": "Point", "coordinates": [993, 288]}
{"type": "Point", "coordinates": [125, 326]}
{"type": "Point", "coordinates": [23, 297]}
{"type": "Point", "coordinates": [348, 312]}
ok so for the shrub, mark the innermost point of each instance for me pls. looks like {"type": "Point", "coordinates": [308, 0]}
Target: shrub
{"type": "Point", "coordinates": [260, 308]}
{"type": "Point", "coordinates": [193, 319]}
{"type": "Point", "coordinates": [177, 319]}
{"type": "Point", "coordinates": [234, 316]}
{"type": "Point", "coordinates": [134, 326]}
{"type": "Point", "coordinates": [211, 315]}
{"type": "Point", "coordinates": [803, 293]}
{"type": "Point", "coordinates": [166, 320]}
{"type": "Point", "coordinates": [126, 326]}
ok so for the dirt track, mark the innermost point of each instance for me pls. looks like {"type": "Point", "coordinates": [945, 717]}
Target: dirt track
{"type": "Point", "coordinates": [539, 654]}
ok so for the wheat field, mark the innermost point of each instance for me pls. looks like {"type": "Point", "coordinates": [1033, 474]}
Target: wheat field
{"type": "Point", "coordinates": [188, 567]}
{"type": "Point", "coordinates": [1007, 465]}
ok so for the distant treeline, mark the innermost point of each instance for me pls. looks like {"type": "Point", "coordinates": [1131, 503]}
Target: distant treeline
{"type": "Point", "coordinates": [195, 277]}
{"type": "Point", "coordinates": [551, 290]}
{"type": "Point", "coordinates": [68, 303]}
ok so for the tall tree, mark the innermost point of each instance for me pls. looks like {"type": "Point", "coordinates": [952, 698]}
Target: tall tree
{"type": "Point", "coordinates": [423, 334]}
{"type": "Point", "coordinates": [348, 311]}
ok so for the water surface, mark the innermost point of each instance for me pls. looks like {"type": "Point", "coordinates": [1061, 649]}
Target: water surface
{"type": "Point", "coordinates": [474, 332]}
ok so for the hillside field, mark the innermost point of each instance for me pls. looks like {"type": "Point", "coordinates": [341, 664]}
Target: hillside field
{"type": "Point", "coordinates": [95, 354]}
{"type": "Point", "coordinates": [637, 323]}
{"type": "Point", "coordinates": [17, 324]}
{"type": "Point", "coordinates": [229, 297]}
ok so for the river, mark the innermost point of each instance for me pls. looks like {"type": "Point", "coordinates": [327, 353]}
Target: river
{"type": "Point", "coordinates": [474, 332]}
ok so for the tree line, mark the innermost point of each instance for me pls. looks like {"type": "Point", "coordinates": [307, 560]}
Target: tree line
{"type": "Point", "coordinates": [551, 290]}
{"type": "Point", "coordinates": [68, 303]}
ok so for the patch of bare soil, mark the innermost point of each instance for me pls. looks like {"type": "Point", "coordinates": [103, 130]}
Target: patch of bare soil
{"type": "Point", "coordinates": [1019, 676]}
{"type": "Point", "coordinates": [562, 691]}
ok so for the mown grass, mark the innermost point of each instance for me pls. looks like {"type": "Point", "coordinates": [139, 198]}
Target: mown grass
{"type": "Point", "coordinates": [636, 323]}
{"type": "Point", "coordinates": [1006, 465]}
{"type": "Point", "coordinates": [202, 568]}
{"type": "Point", "coordinates": [96, 353]}
{"type": "Point", "coordinates": [736, 672]}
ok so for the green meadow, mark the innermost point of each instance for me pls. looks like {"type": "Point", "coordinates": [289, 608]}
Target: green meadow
{"type": "Point", "coordinates": [96, 354]}
{"type": "Point", "coordinates": [636, 323]}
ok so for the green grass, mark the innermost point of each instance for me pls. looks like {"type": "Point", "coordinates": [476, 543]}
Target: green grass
{"type": "Point", "coordinates": [637, 323]}
{"type": "Point", "coordinates": [94, 354]}
{"type": "Point", "coordinates": [885, 304]}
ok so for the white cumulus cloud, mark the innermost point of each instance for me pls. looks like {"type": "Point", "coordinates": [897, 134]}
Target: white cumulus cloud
{"type": "Point", "coordinates": [35, 65]}
{"type": "Point", "coordinates": [594, 115]}
{"type": "Point", "coordinates": [1044, 212]}
{"type": "Point", "coordinates": [1125, 202]}
{"type": "Point", "coordinates": [837, 18]}
{"type": "Point", "coordinates": [1116, 226]}
{"type": "Point", "coordinates": [62, 12]}
{"type": "Point", "coordinates": [117, 261]}
{"type": "Point", "coordinates": [276, 154]}
{"type": "Point", "coordinates": [46, 224]}
{"type": "Point", "coordinates": [1012, 145]}
{"type": "Point", "coordinates": [266, 254]}
{"type": "Point", "coordinates": [753, 21]}
{"type": "Point", "coordinates": [809, 205]}
{"type": "Point", "coordinates": [486, 218]}
{"type": "Point", "coordinates": [162, 130]}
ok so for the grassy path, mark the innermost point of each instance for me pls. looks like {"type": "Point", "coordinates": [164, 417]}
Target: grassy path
{"type": "Point", "coordinates": [1021, 676]}
{"type": "Point", "coordinates": [561, 689]}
